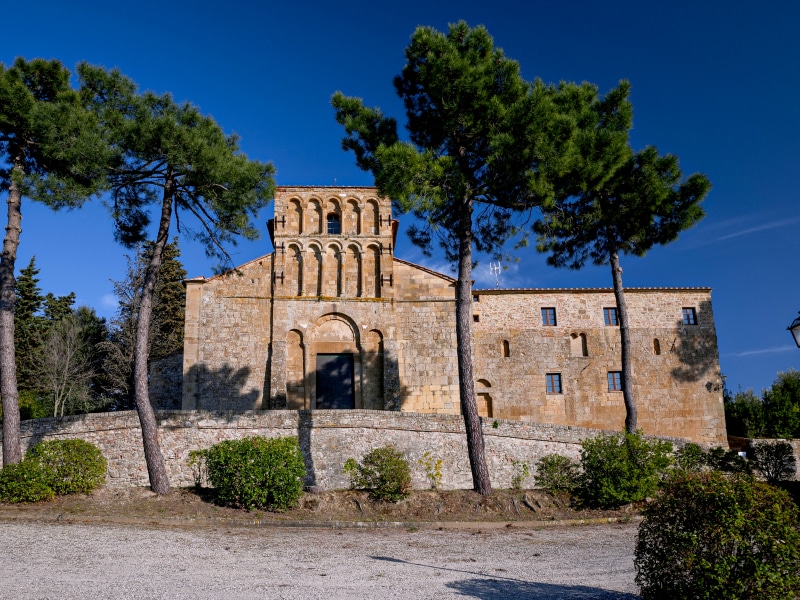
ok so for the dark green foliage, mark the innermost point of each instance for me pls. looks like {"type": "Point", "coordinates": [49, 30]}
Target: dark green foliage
{"type": "Point", "coordinates": [29, 327]}
{"type": "Point", "coordinates": [782, 406]}
{"type": "Point", "coordinates": [774, 460]}
{"type": "Point", "coordinates": [482, 140]}
{"type": "Point", "coordinates": [557, 474]}
{"type": "Point", "coordinates": [744, 414]}
{"type": "Point", "coordinates": [727, 461]}
{"type": "Point", "coordinates": [621, 468]}
{"type": "Point", "coordinates": [715, 536]}
{"type": "Point", "coordinates": [256, 472]}
{"type": "Point", "coordinates": [69, 466]}
{"type": "Point", "coordinates": [690, 457]}
{"type": "Point", "coordinates": [24, 482]}
{"type": "Point", "coordinates": [167, 151]}
{"type": "Point", "coordinates": [166, 324]}
{"type": "Point", "coordinates": [384, 472]}
{"type": "Point", "coordinates": [169, 305]}
{"type": "Point", "coordinates": [775, 415]}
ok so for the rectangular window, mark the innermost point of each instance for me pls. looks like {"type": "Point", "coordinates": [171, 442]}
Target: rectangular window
{"type": "Point", "coordinates": [610, 316]}
{"type": "Point", "coordinates": [549, 317]}
{"type": "Point", "coordinates": [689, 316]}
{"type": "Point", "coordinates": [476, 318]}
{"type": "Point", "coordinates": [476, 298]}
{"type": "Point", "coordinates": [615, 381]}
{"type": "Point", "coordinates": [553, 383]}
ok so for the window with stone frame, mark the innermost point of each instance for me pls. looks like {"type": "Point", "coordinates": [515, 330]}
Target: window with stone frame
{"type": "Point", "coordinates": [549, 316]}
{"type": "Point", "coordinates": [334, 224]}
{"type": "Point", "coordinates": [610, 316]}
{"type": "Point", "coordinates": [689, 315]}
{"type": "Point", "coordinates": [615, 381]}
{"type": "Point", "coordinates": [553, 383]}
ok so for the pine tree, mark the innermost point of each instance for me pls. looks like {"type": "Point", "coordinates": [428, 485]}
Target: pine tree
{"type": "Point", "coordinates": [170, 156]}
{"type": "Point", "coordinates": [615, 201]}
{"type": "Point", "coordinates": [51, 151]}
{"type": "Point", "coordinates": [479, 138]}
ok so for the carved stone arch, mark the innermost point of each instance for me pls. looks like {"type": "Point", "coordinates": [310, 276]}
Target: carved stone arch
{"type": "Point", "coordinates": [352, 271]}
{"type": "Point", "coordinates": [314, 220]}
{"type": "Point", "coordinates": [294, 217]}
{"type": "Point", "coordinates": [351, 223]}
{"type": "Point", "coordinates": [371, 266]}
{"type": "Point", "coordinates": [312, 271]}
{"type": "Point", "coordinates": [322, 330]}
{"type": "Point", "coordinates": [295, 371]}
{"type": "Point", "coordinates": [484, 397]}
{"type": "Point", "coordinates": [331, 270]}
{"type": "Point", "coordinates": [372, 384]}
{"type": "Point", "coordinates": [371, 217]}
{"type": "Point", "coordinates": [336, 355]}
{"type": "Point", "coordinates": [294, 269]}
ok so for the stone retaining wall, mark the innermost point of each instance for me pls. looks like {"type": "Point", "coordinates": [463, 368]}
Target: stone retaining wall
{"type": "Point", "coordinates": [327, 439]}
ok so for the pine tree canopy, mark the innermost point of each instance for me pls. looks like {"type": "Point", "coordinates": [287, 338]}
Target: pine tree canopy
{"type": "Point", "coordinates": [478, 132]}
{"type": "Point", "coordinates": [165, 149]}
{"type": "Point", "coordinates": [47, 134]}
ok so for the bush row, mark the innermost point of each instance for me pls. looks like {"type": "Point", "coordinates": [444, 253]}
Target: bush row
{"type": "Point", "coordinates": [53, 468]}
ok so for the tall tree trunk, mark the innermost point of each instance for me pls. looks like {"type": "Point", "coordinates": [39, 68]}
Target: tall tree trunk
{"type": "Point", "coordinates": [12, 453]}
{"type": "Point", "coordinates": [466, 373]}
{"type": "Point", "coordinates": [159, 481]}
{"type": "Point", "coordinates": [625, 338]}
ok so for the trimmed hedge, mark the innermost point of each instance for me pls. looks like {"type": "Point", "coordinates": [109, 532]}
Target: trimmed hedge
{"type": "Point", "coordinates": [70, 466]}
{"type": "Point", "coordinates": [256, 472]}
{"type": "Point", "coordinates": [24, 482]}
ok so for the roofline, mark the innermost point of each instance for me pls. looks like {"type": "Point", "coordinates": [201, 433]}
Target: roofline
{"type": "Point", "coordinates": [426, 269]}
{"type": "Point", "coordinates": [281, 188]}
{"type": "Point", "coordinates": [497, 291]}
{"type": "Point", "coordinates": [204, 279]}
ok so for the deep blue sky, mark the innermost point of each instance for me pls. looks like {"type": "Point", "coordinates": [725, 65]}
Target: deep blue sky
{"type": "Point", "coordinates": [717, 83]}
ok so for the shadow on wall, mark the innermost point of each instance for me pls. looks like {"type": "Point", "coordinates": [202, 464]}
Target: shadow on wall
{"type": "Point", "coordinates": [695, 347]}
{"type": "Point", "coordinates": [224, 386]}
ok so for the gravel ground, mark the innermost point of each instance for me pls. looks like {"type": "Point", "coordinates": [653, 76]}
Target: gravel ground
{"type": "Point", "coordinates": [46, 560]}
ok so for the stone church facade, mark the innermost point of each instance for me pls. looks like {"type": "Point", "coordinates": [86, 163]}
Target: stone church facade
{"type": "Point", "coordinates": [332, 319]}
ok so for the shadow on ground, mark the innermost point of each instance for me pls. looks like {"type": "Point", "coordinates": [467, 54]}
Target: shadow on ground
{"type": "Point", "coordinates": [509, 588]}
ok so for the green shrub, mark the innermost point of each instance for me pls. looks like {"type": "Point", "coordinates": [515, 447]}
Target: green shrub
{"type": "Point", "coordinates": [24, 482]}
{"type": "Point", "coordinates": [70, 466]}
{"type": "Point", "coordinates": [256, 472]}
{"type": "Point", "coordinates": [557, 474]}
{"type": "Point", "coordinates": [774, 460]}
{"type": "Point", "coordinates": [621, 468]}
{"type": "Point", "coordinates": [712, 535]}
{"type": "Point", "coordinates": [727, 461]}
{"type": "Point", "coordinates": [521, 472]}
{"type": "Point", "coordinates": [690, 457]}
{"type": "Point", "coordinates": [383, 472]}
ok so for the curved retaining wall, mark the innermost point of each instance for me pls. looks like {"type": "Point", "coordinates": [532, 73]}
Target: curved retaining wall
{"type": "Point", "coordinates": [327, 439]}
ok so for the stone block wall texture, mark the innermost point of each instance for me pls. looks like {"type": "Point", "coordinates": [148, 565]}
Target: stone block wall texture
{"type": "Point", "coordinates": [328, 439]}
{"type": "Point", "coordinates": [253, 336]}
{"type": "Point", "coordinates": [677, 384]}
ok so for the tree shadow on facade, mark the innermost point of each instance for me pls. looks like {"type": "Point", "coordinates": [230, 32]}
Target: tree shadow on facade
{"type": "Point", "coordinates": [696, 348]}
{"type": "Point", "coordinates": [225, 387]}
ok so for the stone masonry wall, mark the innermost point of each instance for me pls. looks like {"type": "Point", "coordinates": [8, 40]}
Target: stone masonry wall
{"type": "Point", "coordinates": [327, 438]}
{"type": "Point", "coordinates": [677, 385]}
